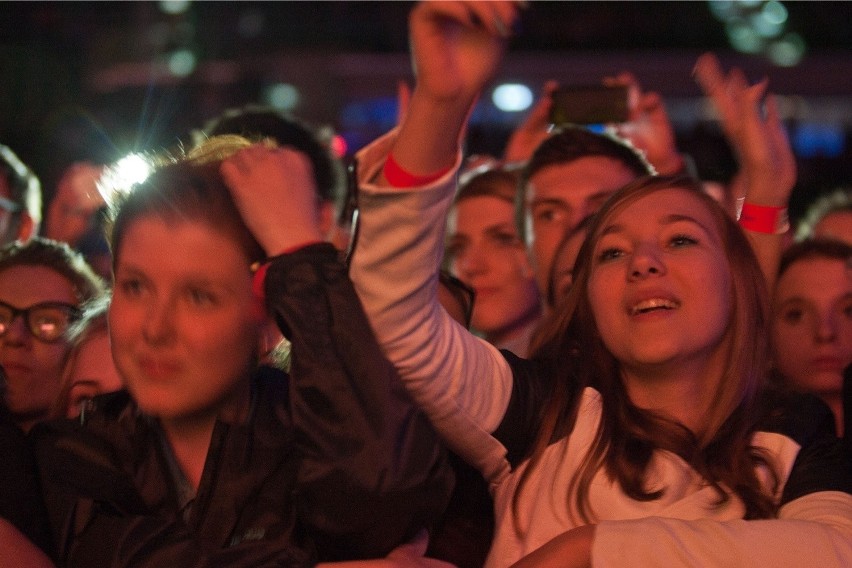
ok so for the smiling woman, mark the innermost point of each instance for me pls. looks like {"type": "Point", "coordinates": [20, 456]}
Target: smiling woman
{"type": "Point", "coordinates": [640, 433]}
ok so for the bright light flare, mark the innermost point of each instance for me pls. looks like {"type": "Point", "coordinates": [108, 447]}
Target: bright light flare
{"type": "Point", "coordinates": [120, 177]}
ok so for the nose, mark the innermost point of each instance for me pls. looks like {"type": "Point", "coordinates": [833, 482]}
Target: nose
{"type": "Point", "coordinates": [471, 262]}
{"type": "Point", "coordinates": [17, 333]}
{"type": "Point", "coordinates": [159, 322]}
{"type": "Point", "coordinates": [645, 261]}
{"type": "Point", "coordinates": [826, 328]}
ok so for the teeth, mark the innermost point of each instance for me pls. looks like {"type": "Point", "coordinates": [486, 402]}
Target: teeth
{"type": "Point", "coordinates": [653, 304]}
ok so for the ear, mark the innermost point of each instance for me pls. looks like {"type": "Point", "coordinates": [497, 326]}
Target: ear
{"type": "Point", "coordinates": [27, 227]}
{"type": "Point", "coordinates": [326, 217]}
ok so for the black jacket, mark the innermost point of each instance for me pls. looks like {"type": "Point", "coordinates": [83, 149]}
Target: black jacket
{"type": "Point", "coordinates": [341, 467]}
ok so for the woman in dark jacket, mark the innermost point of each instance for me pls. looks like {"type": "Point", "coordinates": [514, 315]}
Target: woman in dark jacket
{"type": "Point", "coordinates": [208, 459]}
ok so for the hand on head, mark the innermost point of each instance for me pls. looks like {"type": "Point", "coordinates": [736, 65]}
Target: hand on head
{"type": "Point", "coordinates": [274, 191]}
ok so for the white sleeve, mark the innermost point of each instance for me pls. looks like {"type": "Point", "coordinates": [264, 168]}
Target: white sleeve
{"type": "Point", "coordinates": [814, 530]}
{"type": "Point", "coordinates": [462, 383]}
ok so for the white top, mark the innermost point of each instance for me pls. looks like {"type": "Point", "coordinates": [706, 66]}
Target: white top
{"type": "Point", "coordinates": [465, 386]}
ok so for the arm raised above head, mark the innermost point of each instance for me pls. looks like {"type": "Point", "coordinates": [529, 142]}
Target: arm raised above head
{"type": "Point", "coordinates": [462, 383]}
{"type": "Point", "coordinates": [767, 164]}
{"type": "Point", "coordinates": [456, 47]}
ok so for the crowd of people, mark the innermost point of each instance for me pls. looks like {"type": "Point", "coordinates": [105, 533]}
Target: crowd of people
{"type": "Point", "coordinates": [573, 354]}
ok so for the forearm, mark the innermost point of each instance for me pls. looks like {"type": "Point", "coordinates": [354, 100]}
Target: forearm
{"type": "Point", "coordinates": [815, 530]}
{"type": "Point", "coordinates": [461, 382]}
{"type": "Point", "coordinates": [429, 136]}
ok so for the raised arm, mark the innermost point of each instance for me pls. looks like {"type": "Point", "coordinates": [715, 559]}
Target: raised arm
{"type": "Point", "coordinates": [456, 48]}
{"type": "Point", "coordinates": [767, 164]}
{"type": "Point", "coordinates": [371, 469]}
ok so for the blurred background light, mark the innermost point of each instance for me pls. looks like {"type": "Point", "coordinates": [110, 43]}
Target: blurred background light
{"type": "Point", "coordinates": [787, 51]}
{"type": "Point", "coordinates": [174, 6]}
{"type": "Point", "coordinates": [282, 96]}
{"type": "Point", "coordinates": [743, 37]}
{"type": "Point", "coordinates": [774, 12]}
{"type": "Point", "coordinates": [181, 62]}
{"type": "Point", "coordinates": [512, 97]}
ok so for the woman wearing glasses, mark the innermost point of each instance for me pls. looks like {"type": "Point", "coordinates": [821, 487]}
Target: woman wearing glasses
{"type": "Point", "coordinates": [42, 285]}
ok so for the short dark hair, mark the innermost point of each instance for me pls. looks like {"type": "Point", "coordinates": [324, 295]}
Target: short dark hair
{"type": "Point", "coordinates": [59, 257]}
{"type": "Point", "coordinates": [257, 122]}
{"type": "Point", "coordinates": [814, 248]}
{"type": "Point", "coordinates": [572, 143]}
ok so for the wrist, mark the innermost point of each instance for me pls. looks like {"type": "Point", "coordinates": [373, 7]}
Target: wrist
{"type": "Point", "coordinates": [397, 176]}
{"type": "Point", "coordinates": [768, 219]}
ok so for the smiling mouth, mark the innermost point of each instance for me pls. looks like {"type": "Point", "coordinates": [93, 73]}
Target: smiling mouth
{"type": "Point", "coordinates": [653, 304]}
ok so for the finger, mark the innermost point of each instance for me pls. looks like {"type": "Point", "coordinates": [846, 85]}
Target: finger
{"type": "Point", "coordinates": [504, 17]}
{"type": "Point", "coordinates": [708, 74]}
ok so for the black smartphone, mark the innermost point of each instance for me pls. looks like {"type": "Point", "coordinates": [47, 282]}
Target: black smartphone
{"type": "Point", "coordinates": [589, 104]}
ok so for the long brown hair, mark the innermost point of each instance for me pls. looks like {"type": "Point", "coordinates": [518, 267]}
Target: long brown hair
{"type": "Point", "coordinates": [628, 436]}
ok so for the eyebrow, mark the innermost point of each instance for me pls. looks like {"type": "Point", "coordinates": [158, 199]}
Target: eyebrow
{"type": "Point", "coordinates": [669, 219]}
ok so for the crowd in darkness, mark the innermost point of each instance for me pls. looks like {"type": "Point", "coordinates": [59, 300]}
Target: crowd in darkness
{"type": "Point", "coordinates": [578, 351]}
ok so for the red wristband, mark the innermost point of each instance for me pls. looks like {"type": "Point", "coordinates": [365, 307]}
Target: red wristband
{"type": "Point", "coordinates": [398, 177]}
{"type": "Point", "coordinates": [257, 282]}
{"type": "Point", "coordinates": [764, 219]}
{"type": "Point", "coordinates": [259, 276]}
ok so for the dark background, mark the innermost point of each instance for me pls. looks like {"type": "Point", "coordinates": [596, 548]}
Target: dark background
{"type": "Point", "coordinates": [86, 80]}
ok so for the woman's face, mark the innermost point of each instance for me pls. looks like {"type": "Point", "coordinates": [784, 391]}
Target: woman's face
{"type": "Point", "coordinates": [487, 255]}
{"type": "Point", "coordinates": [812, 324]}
{"type": "Point", "coordinates": [92, 372]}
{"type": "Point", "coordinates": [660, 286]}
{"type": "Point", "coordinates": [184, 324]}
{"type": "Point", "coordinates": [33, 367]}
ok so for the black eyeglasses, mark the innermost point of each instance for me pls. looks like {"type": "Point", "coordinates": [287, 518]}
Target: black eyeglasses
{"type": "Point", "coordinates": [47, 321]}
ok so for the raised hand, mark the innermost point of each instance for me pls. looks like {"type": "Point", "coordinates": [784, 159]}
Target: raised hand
{"type": "Point", "coordinates": [767, 165]}
{"type": "Point", "coordinates": [648, 126]}
{"type": "Point", "coordinates": [533, 130]}
{"type": "Point", "coordinates": [455, 48]}
{"type": "Point", "coordinates": [274, 190]}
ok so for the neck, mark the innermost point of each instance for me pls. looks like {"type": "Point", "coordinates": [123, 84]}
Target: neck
{"type": "Point", "coordinates": [190, 441]}
{"type": "Point", "coordinates": [684, 393]}
{"type": "Point", "coordinates": [189, 435]}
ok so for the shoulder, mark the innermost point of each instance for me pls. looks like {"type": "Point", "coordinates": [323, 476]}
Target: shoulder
{"type": "Point", "coordinates": [801, 417]}
{"type": "Point", "coordinates": [802, 427]}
